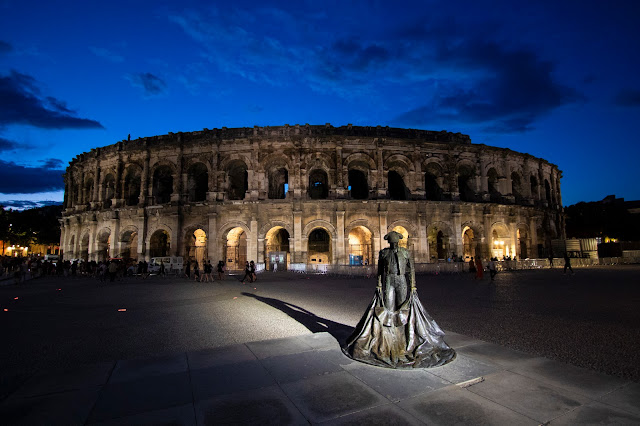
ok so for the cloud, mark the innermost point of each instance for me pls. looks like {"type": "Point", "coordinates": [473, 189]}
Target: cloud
{"type": "Point", "coordinates": [22, 103]}
{"type": "Point", "coordinates": [628, 98]}
{"type": "Point", "coordinates": [53, 164]}
{"type": "Point", "coordinates": [149, 83]}
{"type": "Point", "coordinates": [106, 54]}
{"type": "Point", "coordinates": [25, 205]}
{"type": "Point", "coordinates": [17, 179]}
{"type": "Point", "coordinates": [8, 145]}
{"type": "Point", "coordinates": [5, 47]}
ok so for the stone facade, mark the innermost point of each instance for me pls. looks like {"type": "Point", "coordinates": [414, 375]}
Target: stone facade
{"type": "Point", "coordinates": [308, 194]}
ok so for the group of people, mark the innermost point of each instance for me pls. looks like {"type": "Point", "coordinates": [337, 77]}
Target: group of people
{"type": "Point", "coordinates": [192, 270]}
{"type": "Point", "coordinates": [250, 272]}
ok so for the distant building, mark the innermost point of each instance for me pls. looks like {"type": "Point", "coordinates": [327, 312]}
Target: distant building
{"type": "Point", "coordinates": [308, 194]}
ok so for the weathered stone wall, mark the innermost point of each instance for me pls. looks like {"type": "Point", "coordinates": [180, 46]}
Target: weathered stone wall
{"type": "Point", "coordinates": [447, 195]}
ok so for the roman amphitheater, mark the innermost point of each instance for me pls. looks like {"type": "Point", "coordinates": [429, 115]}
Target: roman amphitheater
{"type": "Point", "coordinates": [308, 195]}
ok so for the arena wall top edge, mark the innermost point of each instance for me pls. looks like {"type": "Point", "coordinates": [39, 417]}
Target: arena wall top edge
{"type": "Point", "coordinates": [297, 131]}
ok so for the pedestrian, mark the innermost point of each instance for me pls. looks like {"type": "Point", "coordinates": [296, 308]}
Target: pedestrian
{"type": "Point", "coordinates": [492, 268]}
{"type": "Point", "coordinates": [247, 273]}
{"type": "Point", "coordinates": [567, 263]}
{"type": "Point", "coordinates": [220, 269]}
{"type": "Point", "coordinates": [252, 267]}
{"type": "Point", "coordinates": [550, 261]}
{"type": "Point", "coordinates": [207, 271]}
{"type": "Point", "coordinates": [187, 269]}
{"type": "Point", "coordinates": [113, 268]}
{"type": "Point", "coordinates": [275, 266]}
{"type": "Point", "coordinates": [196, 271]}
{"type": "Point", "coordinates": [163, 272]}
{"type": "Point", "coordinates": [472, 266]}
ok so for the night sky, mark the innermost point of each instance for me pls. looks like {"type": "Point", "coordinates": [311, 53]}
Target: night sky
{"type": "Point", "coordinates": [556, 79]}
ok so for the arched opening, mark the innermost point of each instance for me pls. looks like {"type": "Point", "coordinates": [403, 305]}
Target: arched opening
{"type": "Point", "coordinates": [469, 244]}
{"type": "Point", "coordinates": [318, 185]}
{"type": "Point", "coordinates": [465, 183]}
{"type": "Point", "coordinates": [84, 248]}
{"type": "Point", "coordinates": [197, 182]}
{"type": "Point", "coordinates": [358, 185]}
{"type": "Point", "coordinates": [404, 242]}
{"type": "Point", "coordinates": [195, 246]}
{"type": "Point", "coordinates": [522, 244]}
{"type": "Point", "coordinates": [278, 183]}
{"type": "Point", "coordinates": [500, 242]}
{"type": "Point", "coordinates": [159, 244]}
{"type": "Point", "coordinates": [131, 188]}
{"type": "Point", "coordinates": [397, 188]}
{"type": "Point", "coordinates": [109, 191]}
{"type": "Point", "coordinates": [360, 248]}
{"type": "Point", "coordinates": [236, 249]}
{"type": "Point", "coordinates": [547, 191]}
{"type": "Point", "coordinates": [319, 247]}
{"type": "Point", "coordinates": [129, 245]}
{"type": "Point", "coordinates": [104, 245]}
{"type": "Point", "coordinates": [534, 187]}
{"type": "Point", "coordinates": [72, 247]}
{"type": "Point", "coordinates": [277, 248]}
{"type": "Point", "coordinates": [516, 186]}
{"type": "Point", "coordinates": [432, 187]}
{"type": "Point", "coordinates": [238, 180]}
{"type": "Point", "coordinates": [88, 191]}
{"type": "Point", "coordinates": [438, 240]}
{"type": "Point", "coordinates": [162, 185]}
{"type": "Point", "coordinates": [492, 186]}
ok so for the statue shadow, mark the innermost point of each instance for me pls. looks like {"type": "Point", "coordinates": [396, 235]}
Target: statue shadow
{"type": "Point", "coordinates": [314, 323]}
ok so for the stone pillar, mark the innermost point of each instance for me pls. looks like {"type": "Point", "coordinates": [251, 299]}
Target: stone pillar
{"type": "Point", "coordinates": [487, 232]}
{"type": "Point", "coordinates": [382, 220]}
{"type": "Point", "coordinates": [92, 247]}
{"type": "Point", "coordinates": [252, 240]}
{"type": "Point", "coordinates": [533, 232]}
{"type": "Point", "coordinates": [299, 252]}
{"type": "Point", "coordinates": [457, 233]}
{"type": "Point", "coordinates": [115, 247]}
{"type": "Point", "coordinates": [213, 250]}
{"type": "Point", "coordinates": [95, 198]}
{"type": "Point", "coordinates": [340, 253]}
{"type": "Point", "coordinates": [423, 254]}
{"type": "Point", "coordinates": [381, 186]}
{"type": "Point", "coordinates": [144, 181]}
{"type": "Point", "coordinates": [341, 185]}
{"type": "Point", "coordinates": [513, 233]}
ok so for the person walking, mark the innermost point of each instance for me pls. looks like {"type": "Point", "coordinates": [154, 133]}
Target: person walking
{"type": "Point", "coordinates": [252, 268]}
{"type": "Point", "coordinates": [247, 273]}
{"type": "Point", "coordinates": [492, 268]}
{"type": "Point", "coordinates": [567, 263]}
{"type": "Point", "coordinates": [207, 272]}
{"type": "Point", "coordinates": [479, 269]}
{"type": "Point", "coordinates": [472, 266]}
{"type": "Point", "coordinates": [220, 270]}
{"type": "Point", "coordinates": [196, 271]}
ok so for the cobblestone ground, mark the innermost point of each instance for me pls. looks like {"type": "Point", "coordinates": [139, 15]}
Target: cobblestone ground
{"type": "Point", "coordinates": [590, 319]}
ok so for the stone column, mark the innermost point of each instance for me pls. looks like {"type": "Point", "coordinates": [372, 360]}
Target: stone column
{"type": "Point", "coordinates": [423, 254]}
{"type": "Point", "coordinates": [382, 220]}
{"type": "Point", "coordinates": [533, 232]}
{"type": "Point", "coordinates": [487, 232]}
{"type": "Point", "coordinates": [213, 250]}
{"type": "Point", "coordinates": [341, 185]}
{"type": "Point", "coordinates": [381, 184]}
{"type": "Point", "coordinates": [513, 232]}
{"type": "Point", "coordinates": [115, 249]}
{"type": "Point", "coordinates": [252, 240]}
{"type": "Point", "coordinates": [457, 233]}
{"type": "Point", "coordinates": [95, 198]}
{"type": "Point", "coordinates": [340, 253]}
{"type": "Point", "coordinates": [144, 181]}
{"type": "Point", "coordinates": [299, 252]}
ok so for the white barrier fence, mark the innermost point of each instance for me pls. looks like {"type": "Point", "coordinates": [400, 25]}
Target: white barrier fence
{"type": "Point", "coordinates": [462, 267]}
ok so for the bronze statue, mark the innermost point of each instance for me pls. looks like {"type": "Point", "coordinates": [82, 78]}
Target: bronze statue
{"type": "Point", "coordinates": [396, 331]}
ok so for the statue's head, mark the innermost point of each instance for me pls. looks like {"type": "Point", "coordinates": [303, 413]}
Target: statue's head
{"type": "Point", "coordinates": [393, 237]}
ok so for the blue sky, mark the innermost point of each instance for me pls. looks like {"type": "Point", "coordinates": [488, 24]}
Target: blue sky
{"type": "Point", "coordinates": [558, 80]}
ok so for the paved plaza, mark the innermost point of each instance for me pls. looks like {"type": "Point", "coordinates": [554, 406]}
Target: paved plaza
{"type": "Point", "coordinates": [533, 347]}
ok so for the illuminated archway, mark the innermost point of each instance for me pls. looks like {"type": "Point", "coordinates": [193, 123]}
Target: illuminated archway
{"type": "Point", "coordinates": [469, 243]}
{"type": "Point", "coordinates": [360, 248]}
{"type": "Point", "coordinates": [277, 248]}
{"type": "Point", "coordinates": [104, 245]}
{"type": "Point", "coordinates": [319, 247]}
{"type": "Point", "coordinates": [500, 242]}
{"type": "Point", "coordinates": [84, 248]}
{"type": "Point", "coordinates": [236, 249]}
{"type": "Point", "coordinates": [522, 245]}
{"type": "Point", "coordinates": [195, 246]}
{"type": "Point", "coordinates": [129, 245]}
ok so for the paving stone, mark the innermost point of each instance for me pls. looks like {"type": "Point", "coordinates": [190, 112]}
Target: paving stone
{"type": "Point", "coordinates": [133, 369]}
{"type": "Point", "coordinates": [219, 356]}
{"type": "Point", "coordinates": [527, 396]}
{"type": "Point", "coordinates": [383, 415]}
{"type": "Point", "coordinates": [79, 377]}
{"type": "Point", "coordinates": [457, 341]}
{"type": "Point", "coordinates": [455, 405]}
{"type": "Point", "coordinates": [327, 397]}
{"type": "Point", "coordinates": [627, 398]}
{"type": "Point", "coordinates": [464, 368]}
{"type": "Point", "coordinates": [266, 406]}
{"type": "Point", "coordinates": [575, 379]}
{"type": "Point", "coordinates": [289, 368]}
{"type": "Point", "coordinates": [277, 347]}
{"type": "Point", "coordinates": [64, 408]}
{"type": "Point", "coordinates": [596, 413]}
{"type": "Point", "coordinates": [147, 394]}
{"type": "Point", "coordinates": [231, 378]}
{"type": "Point", "coordinates": [495, 354]}
{"type": "Point", "coordinates": [396, 384]}
{"type": "Point", "coordinates": [182, 415]}
{"type": "Point", "coordinates": [319, 341]}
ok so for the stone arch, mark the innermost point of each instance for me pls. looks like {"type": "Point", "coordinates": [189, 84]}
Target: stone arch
{"type": "Point", "coordinates": [400, 163]}
{"type": "Point", "coordinates": [360, 244]}
{"type": "Point", "coordinates": [104, 246]}
{"type": "Point", "coordinates": [433, 180]}
{"type": "Point", "coordinates": [517, 189]}
{"type": "Point", "coordinates": [500, 240]}
{"type": "Point", "coordinates": [88, 189]}
{"type": "Point", "coordinates": [197, 181]}
{"type": "Point", "coordinates": [319, 223]}
{"type": "Point", "coordinates": [533, 183]}
{"type": "Point", "coordinates": [466, 177]}
{"type": "Point", "coordinates": [277, 248]}
{"type": "Point", "coordinates": [493, 185]}
{"type": "Point", "coordinates": [360, 160]}
{"type": "Point", "coordinates": [318, 188]}
{"type": "Point", "coordinates": [163, 177]}
{"type": "Point", "coordinates": [320, 246]}
{"type": "Point", "coordinates": [359, 169]}
{"type": "Point", "coordinates": [159, 243]}
{"type": "Point", "coordinates": [237, 179]}
{"type": "Point", "coordinates": [108, 189]}
{"type": "Point", "coordinates": [523, 241]}
{"type": "Point", "coordinates": [83, 252]}
{"type": "Point", "coordinates": [471, 241]}
{"type": "Point", "coordinates": [264, 229]}
{"type": "Point", "coordinates": [195, 244]}
{"type": "Point", "coordinates": [129, 243]}
{"type": "Point", "coordinates": [131, 184]}
{"type": "Point", "coordinates": [234, 244]}
{"type": "Point", "coordinates": [439, 239]}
